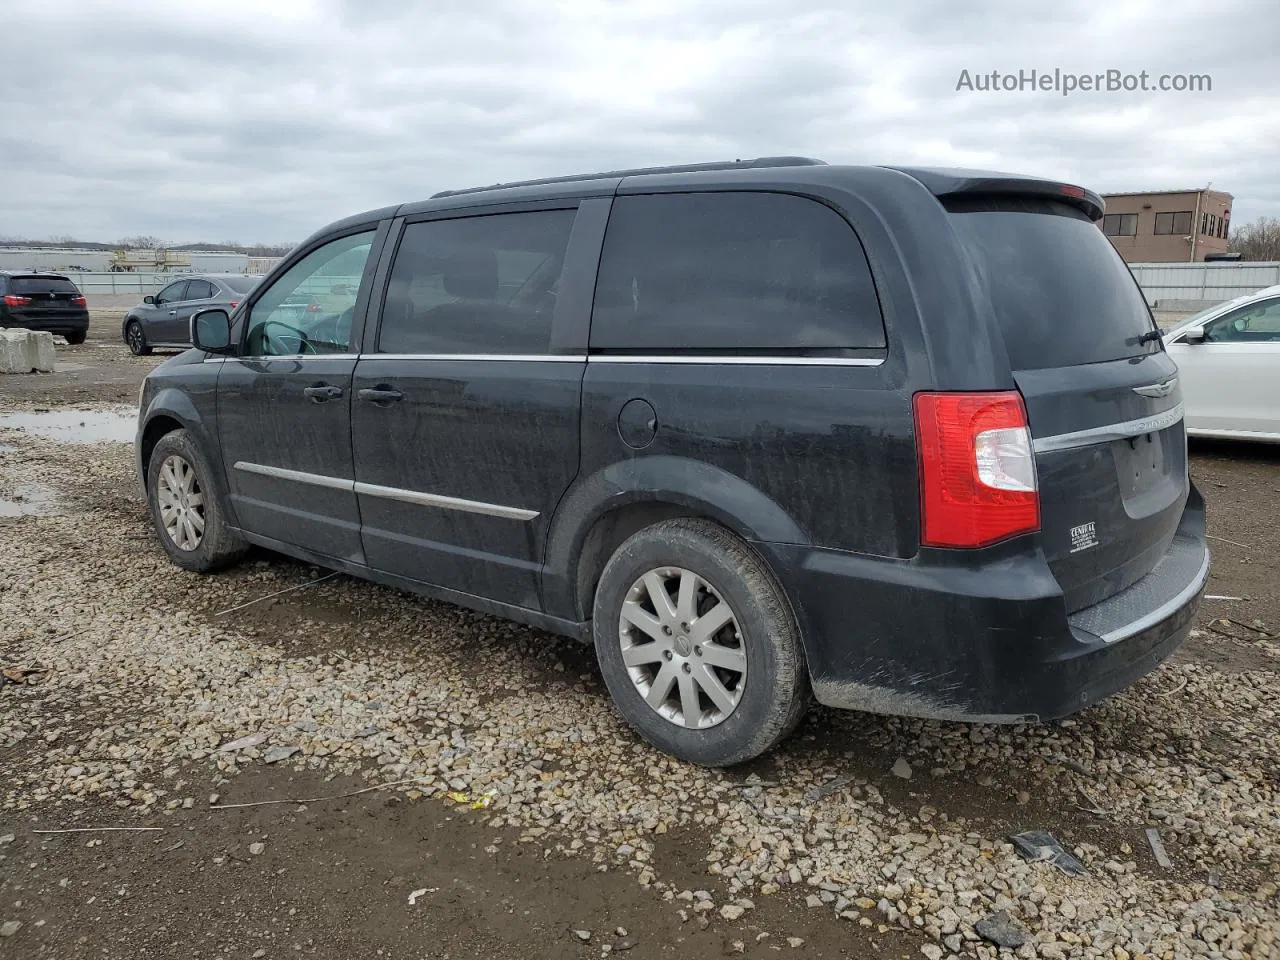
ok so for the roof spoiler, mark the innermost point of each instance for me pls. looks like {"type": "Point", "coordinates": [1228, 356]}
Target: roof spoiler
{"type": "Point", "coordinates": [943, 183]}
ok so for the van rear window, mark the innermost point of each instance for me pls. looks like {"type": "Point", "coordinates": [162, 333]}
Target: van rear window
{"type": "Point", "coordinates": [733, 273]}
{"type": "Point", "coordinates": [1061, 294]}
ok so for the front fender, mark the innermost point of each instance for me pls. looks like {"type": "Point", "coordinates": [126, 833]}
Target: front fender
{"type": "Point", "coordinates": [698, 487]}
{"type": "Point", "coordinates": [191, 408]}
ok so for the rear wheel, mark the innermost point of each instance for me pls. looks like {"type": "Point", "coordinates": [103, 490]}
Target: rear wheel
{"type": "Point", "coordinates": [188, 514]}
{"type": "Point", "coordinates": [698, 645]}
{"type": "Point", "coordinates": [77, 337]}
{"type": "Point", "coordinates": [136, 339]}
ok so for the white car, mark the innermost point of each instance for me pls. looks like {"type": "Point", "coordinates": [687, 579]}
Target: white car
{"type": "Point", "coordinates": [1229, 366]}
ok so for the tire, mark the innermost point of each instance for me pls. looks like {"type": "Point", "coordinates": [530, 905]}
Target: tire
{"type": "Point", "coordinates": [76, 337]}
{"type": "Point", "coordinates": [216, 545]}
{"type": "Point", "coordinates": [135, 339]}
{"type": "Point", "coordinates": [772, 689]}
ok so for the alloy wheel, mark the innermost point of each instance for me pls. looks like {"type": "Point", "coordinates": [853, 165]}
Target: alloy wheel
{"type": "Point", "coordinates": [181, 503]}
{"type": "Point", "coordinates": [683, 648]}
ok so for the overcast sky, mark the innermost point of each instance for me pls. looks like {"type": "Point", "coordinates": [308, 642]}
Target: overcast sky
{"type": "Point", "coordinates": [261, 120]}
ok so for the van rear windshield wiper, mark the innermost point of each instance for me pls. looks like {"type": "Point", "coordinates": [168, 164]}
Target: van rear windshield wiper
{"type": "Point", "coordinates": [1149, 336]}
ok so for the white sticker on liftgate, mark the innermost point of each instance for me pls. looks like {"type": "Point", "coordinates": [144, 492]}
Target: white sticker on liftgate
{"type": "Point", "coordinates": [1083, 537]}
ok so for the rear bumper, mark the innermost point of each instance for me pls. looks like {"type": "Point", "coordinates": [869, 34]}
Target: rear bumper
{"type": "Point", "coordinates": [78, 324]}
{"type": "Point", "coordinates": [945, 638]}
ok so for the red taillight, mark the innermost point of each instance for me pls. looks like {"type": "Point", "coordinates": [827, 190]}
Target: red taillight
{"type": "Point", "coordinates": [233, 304]}
{"type": "Point", "coordinates": [977, 468]}
{"type": "Point", "coordinates": [1070, 190]}
{"type": "Point", "coordinates": [13, 300]}
{"type": "Point", "coordinates": [79, 301]}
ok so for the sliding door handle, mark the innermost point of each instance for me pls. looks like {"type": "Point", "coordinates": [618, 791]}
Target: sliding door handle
{"type": "Point", "coordinates": [383, 395]}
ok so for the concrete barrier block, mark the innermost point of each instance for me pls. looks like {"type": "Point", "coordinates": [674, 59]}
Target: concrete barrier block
{"type": "Point", "coordinates": [14, 352]}
{"type": "Point", "coordinates": [43, 355]}
{"type": "Point", "coordinates": [22, 351]}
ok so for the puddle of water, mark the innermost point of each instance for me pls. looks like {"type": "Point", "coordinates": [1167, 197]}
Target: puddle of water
{"type": "Point", "coordinates": [76, 426]}
{"type": "Point", "coordinates": [29, 500]}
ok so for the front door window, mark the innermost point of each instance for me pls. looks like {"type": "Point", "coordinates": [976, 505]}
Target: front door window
{"type": "Point", "coordinates": [308, 311]}
{"type": "Point", "coordinates": [171, 294]}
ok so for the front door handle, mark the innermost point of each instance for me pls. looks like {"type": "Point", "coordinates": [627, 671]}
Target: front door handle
{"type": "Point", "coordinates": [382, 395]}
{"type": "Point", "coordinates": [322, 392]}
{"type": "Point", "coordinates": [173, 313]}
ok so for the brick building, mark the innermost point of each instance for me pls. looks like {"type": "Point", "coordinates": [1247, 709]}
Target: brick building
{"type": "Point", "coordinates": [1157, 226]}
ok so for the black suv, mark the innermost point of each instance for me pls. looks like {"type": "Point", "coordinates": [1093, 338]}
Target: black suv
{"type": "Point", "coordinates": [43, 301]}
{"type": "Point", "coordinates": [906, 440]}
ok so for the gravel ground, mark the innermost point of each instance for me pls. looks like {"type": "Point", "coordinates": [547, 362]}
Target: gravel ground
{"type": "Point", "coordinates": [862, 835]}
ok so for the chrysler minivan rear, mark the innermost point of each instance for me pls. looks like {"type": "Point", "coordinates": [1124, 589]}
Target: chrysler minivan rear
{"type": "Point", "coordinates": [1062, 551]}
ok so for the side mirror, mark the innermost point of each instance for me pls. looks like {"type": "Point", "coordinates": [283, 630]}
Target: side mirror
{"type": "Point", "coordinates": [1193, 335]}
{"type": "Point", "coordinates": [211, 330]}
{"type": "Point", "coordinates": [148, 299]}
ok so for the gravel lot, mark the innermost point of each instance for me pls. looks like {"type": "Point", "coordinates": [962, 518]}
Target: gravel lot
{"type": "Point", "coordinates": [531, 812]}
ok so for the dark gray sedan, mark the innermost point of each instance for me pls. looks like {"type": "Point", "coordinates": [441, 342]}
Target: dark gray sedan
{"type": "Point", "coordinates": [164, 319]}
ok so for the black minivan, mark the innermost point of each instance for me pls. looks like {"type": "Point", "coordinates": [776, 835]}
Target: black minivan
{"type": "Point", "coordinates": [897, 440]}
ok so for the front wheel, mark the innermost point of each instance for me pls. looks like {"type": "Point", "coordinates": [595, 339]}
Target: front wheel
{"type": "Point", "coordinates": [698, 645]}
{"type": "Point", "coordinates": [185, 508]}
{"type": "Point", "coordinates": [136, 339]}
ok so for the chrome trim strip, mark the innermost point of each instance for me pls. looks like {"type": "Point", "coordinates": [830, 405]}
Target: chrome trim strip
{"type": "Point", "coordinates": [280, 473]}
{"type": "Point", "coordinates": [1165, 610]}
{"type": "Point", "coordinates": [389, 493]}
{"type": "Point", "coordinates": [1112, 431]}
{"type": "Point", "coordinates": [575, 358]}
{"type": "Point", "coordinates": [287, 356]}
{"type": "Point", "coordinates": [448, 503]}
{"type": "Point", "coordinates": [539, 357]}
{"type": "Point", "coordinates": [760, 361]}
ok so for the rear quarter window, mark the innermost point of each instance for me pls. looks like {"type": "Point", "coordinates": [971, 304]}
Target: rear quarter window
{"type": "Point", "coordinates": [1060, 293]}
{"type": "Point", "coordinates": [732, 273]}
{"type": "Point", "coordinates": [30, 285]}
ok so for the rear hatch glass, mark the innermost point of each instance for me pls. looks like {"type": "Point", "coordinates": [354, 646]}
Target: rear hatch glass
{"type": "Point", "coordinates": [48, 298]}
{"type": "Point", "coordinates": [26, 286]}
{"type": "Point", "coordinates": [1061, 293]}
{"type": "Point", "coordinates": [1101, 394]}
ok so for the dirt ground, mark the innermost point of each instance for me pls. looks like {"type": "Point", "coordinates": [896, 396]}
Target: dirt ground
{"type": "Point", "coordinates": [334, 878]}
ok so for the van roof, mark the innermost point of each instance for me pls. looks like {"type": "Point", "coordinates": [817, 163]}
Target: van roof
{"type": "Point", "coordinates": [755, 164]}
{"type": "Point", "coordinates": [940, 181]}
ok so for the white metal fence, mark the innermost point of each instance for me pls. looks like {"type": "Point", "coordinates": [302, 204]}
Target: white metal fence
{"type": "Point", "coordinates": [1160, 282]}
{"type": "Point", "coordinates": [1208, 282]}
{"type": "Point", "coordinates": [98, 284]}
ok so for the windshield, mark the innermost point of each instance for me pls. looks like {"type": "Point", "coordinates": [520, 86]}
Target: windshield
{"type": "Point", "coordinates": [1061, 294]}
{"type": "Point", "coordinates": [1206, 313]}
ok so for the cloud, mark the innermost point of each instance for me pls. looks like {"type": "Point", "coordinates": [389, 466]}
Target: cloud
{"type": "Point", "coordinates": [239, 119]}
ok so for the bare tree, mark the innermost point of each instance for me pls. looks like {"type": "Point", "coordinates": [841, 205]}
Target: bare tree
{"type": "Point", "coordinates": [140, 243]}
{"type": "Point", "coordinates": [1259, 240]}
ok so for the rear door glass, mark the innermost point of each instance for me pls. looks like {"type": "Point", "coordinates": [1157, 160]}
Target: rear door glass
{"type": "Point", "coordinates": [28, 285]}
{"type": "Point", "coordinates": [199, 290]}
{"type": "Point", "coordinates": [1060, 293]}
{"type": "Point", "coordinates": [476, 285]}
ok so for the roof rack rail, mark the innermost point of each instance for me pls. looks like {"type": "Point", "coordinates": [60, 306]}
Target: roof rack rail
{"type": "Point", "coordinates": [638, 171]}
